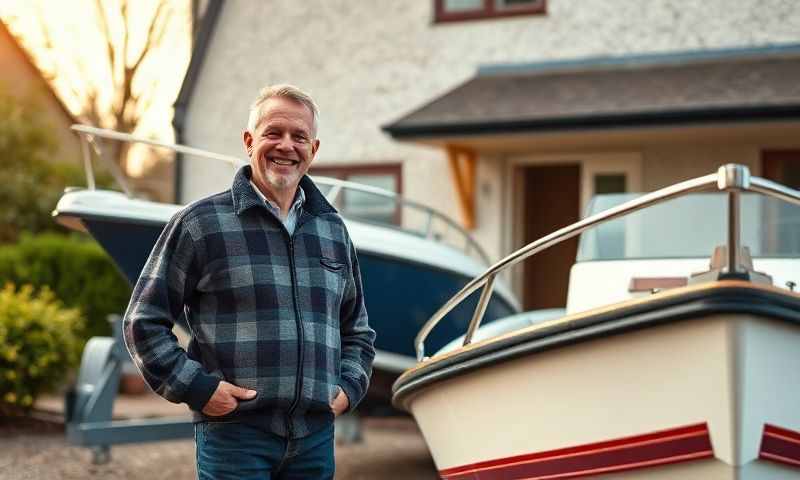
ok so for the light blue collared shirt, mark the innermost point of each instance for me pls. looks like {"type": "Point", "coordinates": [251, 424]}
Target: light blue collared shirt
{"type": "Point", "coordinates": [290, 222]}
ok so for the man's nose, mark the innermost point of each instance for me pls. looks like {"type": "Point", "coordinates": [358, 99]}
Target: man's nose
{"type": "Point", "coordinates": [285, 143]}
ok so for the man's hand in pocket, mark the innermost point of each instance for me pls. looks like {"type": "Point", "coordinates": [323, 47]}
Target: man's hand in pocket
{"type": "Point", "coordinates": [225, 399]}
{"type": "Point", "coordinates": [340, 403]}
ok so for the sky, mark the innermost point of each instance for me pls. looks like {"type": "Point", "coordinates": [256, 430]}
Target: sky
{"type": "Point", "coordinates": [81, 55]}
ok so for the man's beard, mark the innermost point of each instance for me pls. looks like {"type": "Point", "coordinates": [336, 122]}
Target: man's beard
{"type": "Point", "coordinates": [281, 182]}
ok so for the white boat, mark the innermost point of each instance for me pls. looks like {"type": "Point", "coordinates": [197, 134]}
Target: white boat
{"type": "Point", "coordinates": [410, 264]}
{"type": "Point", "coordinates": [663, 365]}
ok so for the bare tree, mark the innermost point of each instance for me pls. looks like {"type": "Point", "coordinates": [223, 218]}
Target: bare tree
{"type": "Point", "coordinates": [119, 97]}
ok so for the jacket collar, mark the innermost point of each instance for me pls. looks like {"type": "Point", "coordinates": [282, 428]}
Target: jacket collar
{"type": "Point", "coordinates": [244, 196]}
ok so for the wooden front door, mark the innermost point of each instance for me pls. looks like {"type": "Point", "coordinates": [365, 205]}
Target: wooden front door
{"type": "Point", "coordinates": [782, 166]}
{"type": "Point", "coordinates": [552, 201]}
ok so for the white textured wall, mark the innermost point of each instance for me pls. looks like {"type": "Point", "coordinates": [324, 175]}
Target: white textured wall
{"type": "Point", "coordinates": [367, 63]}
{"type": "Point", "coordinates": [664, 166]}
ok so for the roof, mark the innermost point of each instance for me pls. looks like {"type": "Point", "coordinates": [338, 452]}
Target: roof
{"type": "Point", "coordinates": [48, 90]}
{"type": "Point", "coordinates": [678, 88]}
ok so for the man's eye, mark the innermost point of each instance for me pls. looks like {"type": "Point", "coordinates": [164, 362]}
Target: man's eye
{"type": "Point", "coordinates": [272, 134]}
{"type": "Point", "coordinates": [300, 139]}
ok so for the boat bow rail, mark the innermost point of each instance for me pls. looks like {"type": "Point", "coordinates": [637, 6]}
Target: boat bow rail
{"type": "Point", "coordinates": [453, 234]}
{"type": "Point", "coordinates": [732, 178]}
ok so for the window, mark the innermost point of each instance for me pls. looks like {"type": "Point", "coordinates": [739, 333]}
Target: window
{"type": "Point", "coordinates": [455, 6]}
{"type": "Point", "coordinates": [609, 183]}
{"type": "Point", "coordinates": [366, 206]}
{"type": "Point", "coordinates": [458, 10]}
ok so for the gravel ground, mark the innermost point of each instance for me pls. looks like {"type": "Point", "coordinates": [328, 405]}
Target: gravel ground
{"type": "Point", "coordinates": [392, 449]}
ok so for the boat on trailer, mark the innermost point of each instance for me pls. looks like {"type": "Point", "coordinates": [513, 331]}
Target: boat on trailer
{"type": "Point", "coordinates": [664, 364]}
{"type": "Point", "coordinates": [410, 263]}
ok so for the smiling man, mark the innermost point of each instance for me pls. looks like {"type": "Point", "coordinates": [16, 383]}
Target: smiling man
{"type": "Point", "coordinates": [268, 280]}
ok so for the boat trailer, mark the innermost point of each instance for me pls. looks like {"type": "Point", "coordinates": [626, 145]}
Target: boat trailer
{"type": "Point", "coordinates": [89, 405]}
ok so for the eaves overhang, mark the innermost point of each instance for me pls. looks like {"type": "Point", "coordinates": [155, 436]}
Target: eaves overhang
{"type": "Point", "coordinates": [687, 117]}
{"type": "Point", "coordinates": [691, 88]}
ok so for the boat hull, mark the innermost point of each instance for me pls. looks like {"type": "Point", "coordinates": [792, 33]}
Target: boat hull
{"type": "Point", "coordinates": [711, 395]}
{"type": "Point", "coordinates": [400, 294]}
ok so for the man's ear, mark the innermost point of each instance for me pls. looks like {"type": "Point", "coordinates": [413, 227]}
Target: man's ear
{"type": "Point", "coordinates": [314, 148]}
{"type": "Point", "coordinates": [247, 138]}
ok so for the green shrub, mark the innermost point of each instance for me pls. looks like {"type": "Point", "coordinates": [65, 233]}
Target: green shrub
{"type": "Point", "coordinates": [30, 185]}
{"type": "Point", "coordinates": [28, 196]}
{"type": "Point", "coordinates": [38, 346]}
{"type": "Point", "coordinates": [32, 182]}
{"type": "Point", "coordinates": [78, 272]}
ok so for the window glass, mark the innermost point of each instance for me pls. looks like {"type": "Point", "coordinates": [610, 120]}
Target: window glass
{"type": "Point", "coordinates": [503, 4]}
{"type": "Point", "coordinates": [460, 10]}
{"type": "Point", "coordinates": [462, 5]}
{"type": "Point", "coordinates": [609, 183]}
{"type": "Point", "coordinates": [368, 206]}
{"type": "Point", "coordinates": [385, 181]}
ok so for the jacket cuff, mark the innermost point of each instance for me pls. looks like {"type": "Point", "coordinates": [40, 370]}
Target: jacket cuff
{"type": "Point", "coordinates": [200, 391]}
{"type": "Point", "coordinates": [351, 389]}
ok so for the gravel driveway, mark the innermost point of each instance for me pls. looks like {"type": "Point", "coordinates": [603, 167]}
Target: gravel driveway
{"type": "Point", "coordinates": [392, 449]}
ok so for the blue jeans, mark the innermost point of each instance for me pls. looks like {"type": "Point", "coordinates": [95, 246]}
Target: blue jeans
{"type": "Point", "coordinates": [240, 451]}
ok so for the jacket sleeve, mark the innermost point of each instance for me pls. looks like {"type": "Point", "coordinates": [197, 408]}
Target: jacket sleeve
{"type": "Point", "coordinates": [164, 287]}
{"type": "Point", "coordinates": [358, 339]}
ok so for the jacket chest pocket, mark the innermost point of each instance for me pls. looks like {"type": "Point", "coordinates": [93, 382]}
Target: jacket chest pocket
{"type": "Point", "coordinates": [331, 265]}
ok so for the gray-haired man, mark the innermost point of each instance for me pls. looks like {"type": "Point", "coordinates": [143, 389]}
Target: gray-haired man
{"type": "Point", "coordinates": [268, 279]}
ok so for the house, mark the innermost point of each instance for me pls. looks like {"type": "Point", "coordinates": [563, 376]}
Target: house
{"type": "Point", "coordinates": [20, 78]}
{"type": "Point", "coordinates": [508, 114]}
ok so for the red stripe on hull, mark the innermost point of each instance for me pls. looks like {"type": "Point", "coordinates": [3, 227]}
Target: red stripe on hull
{"type": "Point", "coordinates": [658, 448]}
{"type": "Point", "coordinates": [780, 445]}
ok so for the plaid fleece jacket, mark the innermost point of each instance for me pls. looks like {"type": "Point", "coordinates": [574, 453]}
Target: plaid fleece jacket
{"type": "Point", "coordinates": [283, 315]}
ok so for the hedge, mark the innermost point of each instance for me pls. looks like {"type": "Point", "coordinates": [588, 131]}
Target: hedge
{"type": "Point", "coordinates": [77, 270]}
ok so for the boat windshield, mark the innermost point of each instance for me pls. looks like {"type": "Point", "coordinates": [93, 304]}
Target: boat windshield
{"type": "Point", "coordinates": [690, 227]}
{"type": "Point", "coordinates": [379, 206]}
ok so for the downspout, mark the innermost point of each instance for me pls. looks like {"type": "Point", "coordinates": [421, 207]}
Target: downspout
{"type": "Point", "coordinates": [200, 44]}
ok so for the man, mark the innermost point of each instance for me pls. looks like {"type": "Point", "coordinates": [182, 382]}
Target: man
{"type": "Point", "coordinates": [268, 280]}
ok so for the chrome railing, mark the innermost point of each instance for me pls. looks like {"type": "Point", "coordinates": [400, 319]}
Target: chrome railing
{"type": "Point", "coordinates": [89, 144]}
{"type": "Point", "coordinates": [731, 178]}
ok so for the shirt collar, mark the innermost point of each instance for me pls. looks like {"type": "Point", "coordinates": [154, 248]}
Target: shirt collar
{"type": "Point", "coordinates": [244, 195]}
{"type": "Point", "coordinates": [299, 199]}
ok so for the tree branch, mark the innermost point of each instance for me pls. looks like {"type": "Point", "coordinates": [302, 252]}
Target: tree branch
{"type": "Point", "coordinates": [123, 56]}
{"type": "Point", "coordinates": [151, 39]}
{"type": "Point", "coordinates": [110, 51]}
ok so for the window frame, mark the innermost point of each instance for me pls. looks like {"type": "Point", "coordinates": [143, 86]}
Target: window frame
{"type": "Point", "coordinates": [344, 171]}
{"type": "Point", "coordinates": [488, 11]}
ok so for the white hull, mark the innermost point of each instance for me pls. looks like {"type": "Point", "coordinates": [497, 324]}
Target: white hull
{"type": "Point", "coordinates": [675, 400]}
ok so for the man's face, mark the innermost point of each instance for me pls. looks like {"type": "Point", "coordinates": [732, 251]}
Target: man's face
{"type": "Point", "coordinates": [283, 145]}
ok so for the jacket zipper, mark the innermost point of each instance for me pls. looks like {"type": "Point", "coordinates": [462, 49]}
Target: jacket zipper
{"type": "Point", "coordinates": [300, 335]}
